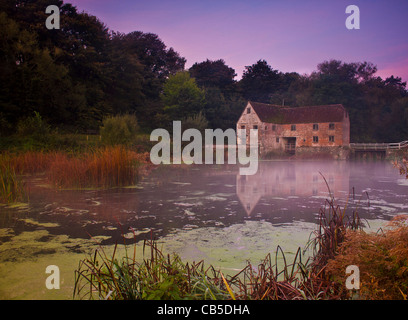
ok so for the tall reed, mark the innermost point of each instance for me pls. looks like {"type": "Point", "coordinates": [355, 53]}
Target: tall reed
{"type": "Point", "coordinates": [106, 167]}
{"type": "Point", "coordinates": [12, 187]}
{"type": "Point", "coordinates": [157, 276]}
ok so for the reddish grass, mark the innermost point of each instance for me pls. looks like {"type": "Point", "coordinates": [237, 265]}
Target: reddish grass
{"type": "Point", "coordinates": [107, 167]}
{"type": "Point", "coordinates": [29, 162]}
{"type": "Point", "coordinates": [101, 168]}
{"type": "Point", "coordinates": [382, 259]}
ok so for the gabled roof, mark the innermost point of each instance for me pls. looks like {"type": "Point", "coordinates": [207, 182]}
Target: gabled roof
{"type": "Point", "coordinates": [290, 115]}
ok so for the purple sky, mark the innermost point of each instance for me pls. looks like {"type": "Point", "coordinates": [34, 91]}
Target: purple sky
{"type": "Point", "coordinates": [291, 35]}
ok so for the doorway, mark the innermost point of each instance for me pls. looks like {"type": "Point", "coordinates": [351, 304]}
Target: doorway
{"type": "Point", "coordinates": [290, 145]}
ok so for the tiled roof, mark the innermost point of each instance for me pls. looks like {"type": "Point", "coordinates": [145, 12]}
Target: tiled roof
{"type": "Point", "coordinates": [286, 115]}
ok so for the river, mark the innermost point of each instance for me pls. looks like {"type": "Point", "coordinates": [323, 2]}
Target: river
{"type": "Point", "coordinates": [205, 212]}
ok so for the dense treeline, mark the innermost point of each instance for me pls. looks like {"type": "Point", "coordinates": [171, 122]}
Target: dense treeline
{"type": "Point", "coordinates": [78, 75]}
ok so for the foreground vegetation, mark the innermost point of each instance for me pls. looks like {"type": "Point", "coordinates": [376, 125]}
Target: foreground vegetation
{"type": "Point", "coordinates": [339, 241]}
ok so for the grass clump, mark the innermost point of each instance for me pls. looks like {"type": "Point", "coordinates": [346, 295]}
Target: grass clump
{"type": "Point", "coordinates": [157, 276]}
{"type": "Point", "coordinates": [12, 187]}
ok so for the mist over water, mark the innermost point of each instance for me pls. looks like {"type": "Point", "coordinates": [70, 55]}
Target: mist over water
{"type": "Point", "coordinates": [184, 197]}
{"type": "Point", "coordinates": [208, 212]}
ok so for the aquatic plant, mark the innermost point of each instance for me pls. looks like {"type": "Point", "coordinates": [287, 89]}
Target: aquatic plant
{"type": "Point", "coordinates": [103, 167]}
{"type": "Point", "coordinates": [156, 277]}
{"type": "Point", "coordinates": [12, 187]}
{"type": "Point", "coordinates": [333, 223]}
{"type": "Point", "coordinates": [31, 162]}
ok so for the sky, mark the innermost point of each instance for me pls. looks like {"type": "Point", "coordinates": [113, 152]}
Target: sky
{"type": "Point", "coordinates": [291, 35]}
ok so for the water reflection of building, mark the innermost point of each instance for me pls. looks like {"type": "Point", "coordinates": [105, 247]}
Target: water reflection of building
{"type": "Point", "coordinates": [284, 179]}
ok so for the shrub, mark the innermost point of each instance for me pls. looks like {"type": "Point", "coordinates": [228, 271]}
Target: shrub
{"type": "Point", "coordinates": [402, 164]}
{"type": "Point", "coordinates": [34, 126]}
{"type": "Point", "coordinates": [120, 129]}
{"type": "Point", "coordinates": [382, 259]}
{"type": "Point", "coordinates": [197, 121]}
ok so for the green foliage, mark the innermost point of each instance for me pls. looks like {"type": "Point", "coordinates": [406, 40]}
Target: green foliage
{"type": "Point", "coordinates": [182, 96]}
{"type": "Point", "coordinates": [196, 121]}
{"type": "Point", "coordinates": [155, 277]}
{"type": "Point", "coordinates": [35, 126]}
{"type": "Point", "coordinates": [213, 74]}
{"type": "Point", "coordinates": [120, 129]}
{"type": "Point", "coordinates": [12, 187]}
{"type": "Point", "coordinates": [259, 81]}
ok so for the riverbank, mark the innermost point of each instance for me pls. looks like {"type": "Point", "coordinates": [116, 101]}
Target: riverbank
{"type": "Point", "coordinates": [69, 161]}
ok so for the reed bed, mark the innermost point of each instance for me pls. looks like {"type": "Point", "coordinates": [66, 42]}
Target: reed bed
{"type": "Point", "coordinates": [100, 168]}
{"type": "Point", "coordinates": [107, 167]}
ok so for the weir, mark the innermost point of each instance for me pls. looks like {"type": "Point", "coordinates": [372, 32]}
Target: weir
{"type": "Point", "coordinates": [375, 151]}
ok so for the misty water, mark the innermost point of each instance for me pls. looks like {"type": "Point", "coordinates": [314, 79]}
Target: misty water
{"type": "Point", "coordinates": [198, 211]}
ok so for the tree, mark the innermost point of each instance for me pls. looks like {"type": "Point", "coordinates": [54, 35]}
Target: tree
{"type": "Point", "coordinates": [31, 80]}
{"type": "Point", "coordinates": [181, 97]}
{"type": "Point", "coordinates": [213, 74]}
{"type": "Point", "coordinates": [159, 62]}
{"type": "Point", "coordinates": [155, 63]}
{"type": "Point", "coordinates": [259, 82]}
{"type": "Point", "coordinates": [222, 111]}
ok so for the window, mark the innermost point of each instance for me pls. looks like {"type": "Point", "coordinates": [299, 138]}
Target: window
{"type": "Point", "coordinates": [255, 127]}
{"type": "Point", "coordinates": [331, 126]}
{"type": "Point", "coordinates": [248, 110]}
{"type": "Point", "coordinates": [315, 139]}
{"type": "Point", "coordinates": [315, 127]}
{"type": "Point", "coordinates": [266, 128]}
{"type": "Point", "coordinates": [274, 127]}
{"type": "Point", "coordinates": [277, 139]}
{"type": "Point", "coordinates": [293, 127]}
{"type": "Point", "coordinates": [243, 126]}
{"type": "Point", "coordinates": [331, 138]}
